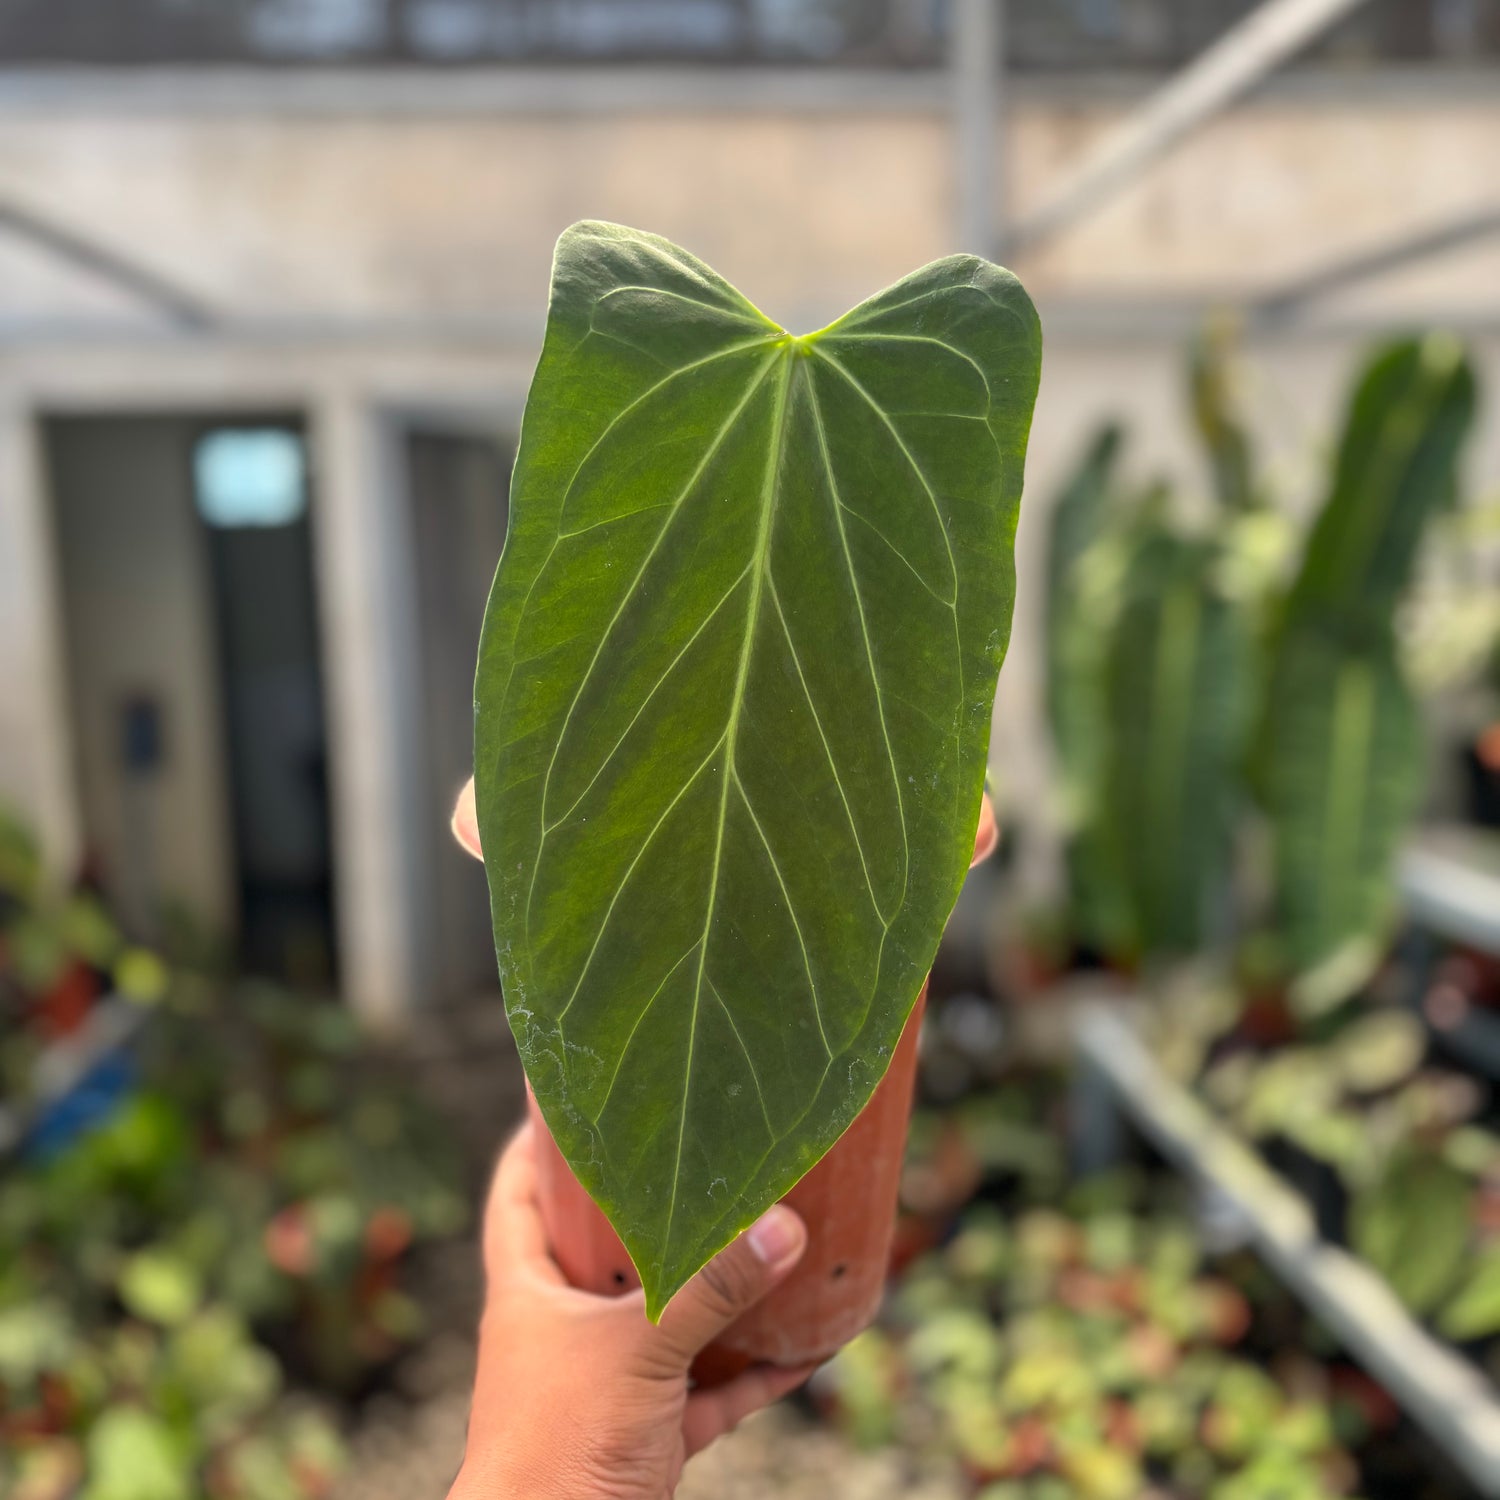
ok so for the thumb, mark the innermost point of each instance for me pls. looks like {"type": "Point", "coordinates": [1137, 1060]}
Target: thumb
{"type": "Point", "coordinates": [730, 1284]}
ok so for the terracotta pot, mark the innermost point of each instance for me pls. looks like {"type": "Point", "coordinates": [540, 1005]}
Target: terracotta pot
{"type": "Point", "coordinates": [848, 1202]}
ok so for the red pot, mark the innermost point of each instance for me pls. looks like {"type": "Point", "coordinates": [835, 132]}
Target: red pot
{"type": "Point", "coordinates": [848, 1202]}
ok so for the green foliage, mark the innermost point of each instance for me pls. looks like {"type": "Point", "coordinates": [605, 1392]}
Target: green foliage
{"type": "Point", "coordinates": [1339, 745]}
{"type": "Point", "coordinates": [1085, 1354]}
{"type": "Point", "coordinates": [1175, 691]}
{"type": "Point", "coordinates": [1474, 1311]}
{"type": "Point", "coordinates": [733, 708]}
{"type": "Point", "coordinates": [1088, 548]}
{"type": "Point", "coordinates": [1413, 1226]}
{"type": "Point", "coordinates": [1397, 468]}
{"type": "Point", "coordinates": [1077, 624]}
{"type": "Point", "coordinates": [1209, 642]}
{"type": "Point", "coordinates": [1215, 382]}
{"type": "Point", "coordinates": [263, 1176]}
{"type": "Point", "coordinates": [1341, 777]}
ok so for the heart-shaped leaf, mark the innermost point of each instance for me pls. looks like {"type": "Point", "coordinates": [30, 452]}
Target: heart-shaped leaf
{"type": "Point", "coordinates": [733, 708]}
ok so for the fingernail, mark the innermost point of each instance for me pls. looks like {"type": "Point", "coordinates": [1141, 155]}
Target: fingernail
{"type": "Point", "coordinates": [775, 1235]}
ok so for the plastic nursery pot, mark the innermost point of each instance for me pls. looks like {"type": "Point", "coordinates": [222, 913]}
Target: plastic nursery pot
{"type": "Point", "coordinates": [848, 1202]}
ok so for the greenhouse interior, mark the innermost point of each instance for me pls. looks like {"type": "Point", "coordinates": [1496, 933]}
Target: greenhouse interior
{"type": "Point", "coordinates": [1199, 1193]}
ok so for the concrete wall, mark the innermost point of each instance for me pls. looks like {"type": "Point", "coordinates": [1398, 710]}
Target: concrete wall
{"type": "Point", "coordinates": [285, 197]}
{"type": "Point", "coordinates": [380, 246]}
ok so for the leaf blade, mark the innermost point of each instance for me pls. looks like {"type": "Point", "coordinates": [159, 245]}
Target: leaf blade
{"type": "Point", "coordinates": [730, 743]}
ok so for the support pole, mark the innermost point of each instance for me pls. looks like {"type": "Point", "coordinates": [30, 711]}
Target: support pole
{"type": "Point", "coordinates": [974, 64]}
{"type": "Point", "coordinates": [362, 559]}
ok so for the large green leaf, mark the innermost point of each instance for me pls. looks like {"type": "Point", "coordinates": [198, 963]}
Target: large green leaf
{"type": "Point", "coordinates": [1340, 772]}
{"type": "Point", "coordinates": [733, 707]}
{"type": "Point", "coordinates": [1397, 467]}
{"type": "Point", "coordinates": [1176, 688]}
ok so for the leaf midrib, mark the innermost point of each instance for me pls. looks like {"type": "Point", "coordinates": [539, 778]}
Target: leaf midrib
{"type": "Point", "coordinates": [759, 569]}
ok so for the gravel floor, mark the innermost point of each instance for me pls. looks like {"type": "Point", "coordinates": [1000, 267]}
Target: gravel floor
{"type": "Point", "coordinates": [408, 1439]}
{"type": "Point", "coordinates": [407, 1450]}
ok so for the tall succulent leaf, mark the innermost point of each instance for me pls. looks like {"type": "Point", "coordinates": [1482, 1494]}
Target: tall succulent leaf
{"type": "Point", "coordinates": [733, 707]}
{"type": "Point", "coordinates": [1214, 383]}
{"type": "Point", "coordinates": [1339, 757]}
{"type": "Point", "coordinates": [1087, 555]}
{"type": "Point", "coordinates": [1396, 468]}
{"type": "Point", "coordinates": [1341, 774]}
{"type": "Point", "coordinates": [1076, 638]}
{"type": "Point", "coordinates": [1176, 697]}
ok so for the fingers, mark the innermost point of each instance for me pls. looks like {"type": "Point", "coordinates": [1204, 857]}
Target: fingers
{"type": "Point", "coordinates": [465, 821]}
{"type": "Point", "coordinates": [515, 1238]}
{"type": "Point", "coordinates": [987, 835]}
{"type": "Point", "coordinates": [731, 1283]}
{"type": "Point", "coordinates": [710, 1414]}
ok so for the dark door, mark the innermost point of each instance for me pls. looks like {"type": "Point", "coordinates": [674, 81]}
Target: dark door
{"type": "Point", "coordinates": [458, 485]}
{"type": "Point", "coordinates": [252, 493]}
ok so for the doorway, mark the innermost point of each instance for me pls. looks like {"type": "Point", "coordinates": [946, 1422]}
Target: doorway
{"type": "Point", "coordinates": [458, 483]}
{"type": "Point", "coordinates": [192, 643]}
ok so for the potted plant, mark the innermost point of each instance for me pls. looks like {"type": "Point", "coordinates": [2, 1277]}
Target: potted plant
{"type": "Point", "coordinates": [732, 714]}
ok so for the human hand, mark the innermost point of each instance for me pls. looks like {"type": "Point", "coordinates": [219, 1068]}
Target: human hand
{"type": "Point", "coordinates": [579, 1397]}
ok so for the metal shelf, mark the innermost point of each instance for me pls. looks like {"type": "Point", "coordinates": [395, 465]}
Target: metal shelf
{"type": "Point", "coordinates": [1441, 1391]}
{"type": "Point", "coordinates": [1449, 881]}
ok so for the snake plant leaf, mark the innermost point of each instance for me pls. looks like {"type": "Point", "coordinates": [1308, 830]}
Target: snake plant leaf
{"type": "Point", "coordinates": [732, 711]}
{"type": "Point", "coordinates": [1075, 637]}
{"type": "Point", "coordinates": [1215, 383]}
{"type": "Point", "coordinates": [1088, 549]}
{"type": "Point", "coordinates": [1176, 690]}
{"type": "Point", "coordinates": [1397, 467]}
{"type": "Point", "coordinates": [1341, 774]}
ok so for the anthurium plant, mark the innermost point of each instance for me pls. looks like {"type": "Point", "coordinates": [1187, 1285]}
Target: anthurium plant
{"type": "Point", "coordinates": [733, 708]}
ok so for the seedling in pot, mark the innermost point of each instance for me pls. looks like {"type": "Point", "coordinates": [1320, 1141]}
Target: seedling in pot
{"type": "Point", "coordinates": [733, 708]}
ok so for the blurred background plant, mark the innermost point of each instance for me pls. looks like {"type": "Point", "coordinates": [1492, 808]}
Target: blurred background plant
{"type": "Point", "coordinates": [211, 1190]}
{"type": "Point", "coordinates": [1207, 692]}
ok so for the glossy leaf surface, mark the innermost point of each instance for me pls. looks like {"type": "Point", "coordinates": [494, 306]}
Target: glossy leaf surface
{"type": "Point", "coordinates": [733, 709]}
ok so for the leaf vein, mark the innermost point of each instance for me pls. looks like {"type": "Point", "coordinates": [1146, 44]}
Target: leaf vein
{"type": "Point", "coordinates": [752, 615]}
{"type": "Point", "coordinates": [864, 629]}
{"type": "Point", "coordinates": [791, 910]}
{"type": "Point", "coordinates": [629, 594]}
{"type": "Point", "coordinates": [646, 701]}
{"type": "Point", "coordinates": [760, 1093]}
{"type": "Point", "coordinates": [827, 749]}
{"type": "Point", "coordinates": [645, 1011]}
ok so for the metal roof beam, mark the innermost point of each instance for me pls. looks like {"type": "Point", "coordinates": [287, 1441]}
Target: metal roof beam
{"type": "Point", "coordinates": [88, 254]}
{"type": "Point", "coordinates": [1240, 59]}
{"type": "Point", "coordinates": [1292, 298]}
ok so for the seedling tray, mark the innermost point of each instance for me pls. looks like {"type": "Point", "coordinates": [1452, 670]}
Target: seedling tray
{"type": "Point", "coordinates": [1449, 880]}
{"type": "Point", "coordinates": [1449, 1398]}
